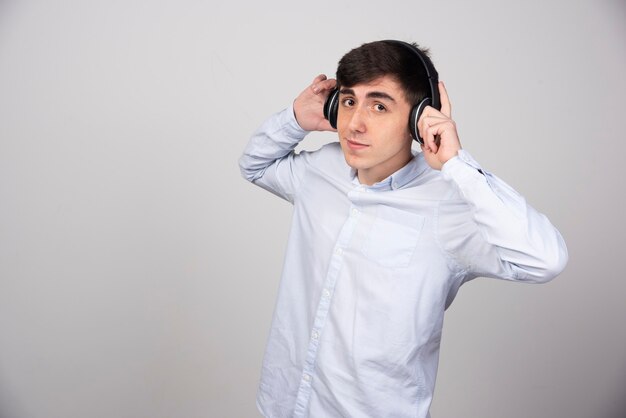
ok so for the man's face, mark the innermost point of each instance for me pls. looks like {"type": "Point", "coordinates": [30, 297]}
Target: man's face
{"type": "Point", "coordinates": [372, 123]}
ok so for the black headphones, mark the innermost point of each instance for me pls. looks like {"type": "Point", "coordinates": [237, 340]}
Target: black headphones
{"type": "Point", "coordinates": [332, 101]}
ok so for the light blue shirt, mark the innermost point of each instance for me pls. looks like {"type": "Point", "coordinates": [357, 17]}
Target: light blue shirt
{"type": "Point", "coordinates": [370, 270]}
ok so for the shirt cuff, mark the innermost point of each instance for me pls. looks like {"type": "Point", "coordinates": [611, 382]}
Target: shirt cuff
{"type": "Point", "coordinates": [291, 124]}
{"type": "Point", "coordinates": [462, 168]}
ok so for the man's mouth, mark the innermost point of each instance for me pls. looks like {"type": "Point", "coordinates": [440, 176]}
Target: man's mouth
{"type": "Point", "coordinates": [355, 145]}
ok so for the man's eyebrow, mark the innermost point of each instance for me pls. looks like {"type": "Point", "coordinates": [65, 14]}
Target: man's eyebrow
{"type": "Point", "coordinates": [369, 95]}
{"type": "Point", "coordinates": [379, 95]}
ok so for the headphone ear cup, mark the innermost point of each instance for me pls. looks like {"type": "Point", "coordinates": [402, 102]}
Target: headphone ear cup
{"type": "Point", "coordinates": [331, 107]}
{"type": "Point", "coordinates": [414, 117]}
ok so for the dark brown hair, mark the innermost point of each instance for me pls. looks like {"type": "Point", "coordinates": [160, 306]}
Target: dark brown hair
{"type": "Point", "coordinates": [384, 58]}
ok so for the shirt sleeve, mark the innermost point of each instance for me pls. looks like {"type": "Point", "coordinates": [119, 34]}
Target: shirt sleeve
{"type": "Point", "coordinates": [503, 236]}
{"type": "Point", "coordinates": [269, 159]}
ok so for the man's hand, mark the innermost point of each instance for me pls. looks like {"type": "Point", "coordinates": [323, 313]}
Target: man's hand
{"type": "Point", "coordinates": [441, 141]}
{"type": "Point", "coordinates": [309, 105]}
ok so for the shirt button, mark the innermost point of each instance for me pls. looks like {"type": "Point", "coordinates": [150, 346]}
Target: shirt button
{"type": "Point", "coordinates": [326, 293]}
{"type": "Point", "coordinates": [315, 335]}
{"type": "Point", "coordinates": [354, 212]}
{"type": "Point", "coordinates": [306, 377]}
{"type": "Point", "coordinates": [338, 251]}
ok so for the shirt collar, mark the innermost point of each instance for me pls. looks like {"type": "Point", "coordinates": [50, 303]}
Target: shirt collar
{"type": "Point", "coordinates": [400, 178]}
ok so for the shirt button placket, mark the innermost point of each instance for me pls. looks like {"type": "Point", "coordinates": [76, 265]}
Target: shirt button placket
{"type": "Point", "coordinates": [322, 311]}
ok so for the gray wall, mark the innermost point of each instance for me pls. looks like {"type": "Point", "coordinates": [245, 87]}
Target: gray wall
{"type": "Point", "coordinates": [138, 271]}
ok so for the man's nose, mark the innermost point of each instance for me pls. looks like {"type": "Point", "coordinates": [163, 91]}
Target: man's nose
{"type": "Point", "coordinates": [358, 119]}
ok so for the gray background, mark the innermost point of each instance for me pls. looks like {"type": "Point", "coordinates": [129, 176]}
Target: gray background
{"type": "Point", "coordinates": [138, 271]}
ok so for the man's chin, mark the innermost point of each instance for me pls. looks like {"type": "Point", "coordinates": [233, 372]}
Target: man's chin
{"type": "Point", "coordinates": [353, 161]}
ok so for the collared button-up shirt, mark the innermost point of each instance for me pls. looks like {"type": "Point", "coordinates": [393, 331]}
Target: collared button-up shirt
{"type": "Point", "coordinates": [370, 270]}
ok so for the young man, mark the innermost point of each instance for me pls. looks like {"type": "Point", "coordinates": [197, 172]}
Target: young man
{"type": "Point", "coordinates": [381, 240]}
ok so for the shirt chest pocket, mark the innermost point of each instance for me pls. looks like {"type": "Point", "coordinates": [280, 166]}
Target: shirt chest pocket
{"type": "Point", "coordinates": [393, 236]}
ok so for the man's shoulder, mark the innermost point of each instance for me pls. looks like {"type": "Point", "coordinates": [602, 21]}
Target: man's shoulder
{"type": "Point", "coordinates": [331, 148]}
{"type": "Point", "coordinates": [428, 183]}
{"type": "Point", "coordinates": [327, 153]}
{"type": "Point", "coordinates": [328, 161]}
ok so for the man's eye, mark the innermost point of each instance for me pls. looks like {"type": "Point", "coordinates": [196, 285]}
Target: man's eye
{"type": "Point", "coordinates": [348, 102]}
{"type": "Point", "coordinates": [379, 108]}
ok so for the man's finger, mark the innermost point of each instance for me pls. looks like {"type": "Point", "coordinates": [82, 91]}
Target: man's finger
{"type": "Point", "coordinates": [446, 107]}
{"type": "Point", "coordinates": [431, 138]}
{"type": "Point", "coordinates": [315, 84]}
{"type": "Point", "coordinates": [319, 78]}
{"type": "Point", "coordinates": [321, 83]}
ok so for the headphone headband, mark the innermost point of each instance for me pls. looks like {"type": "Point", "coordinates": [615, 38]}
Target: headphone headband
{"type": "Point", "coordinates": [431, 72]}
